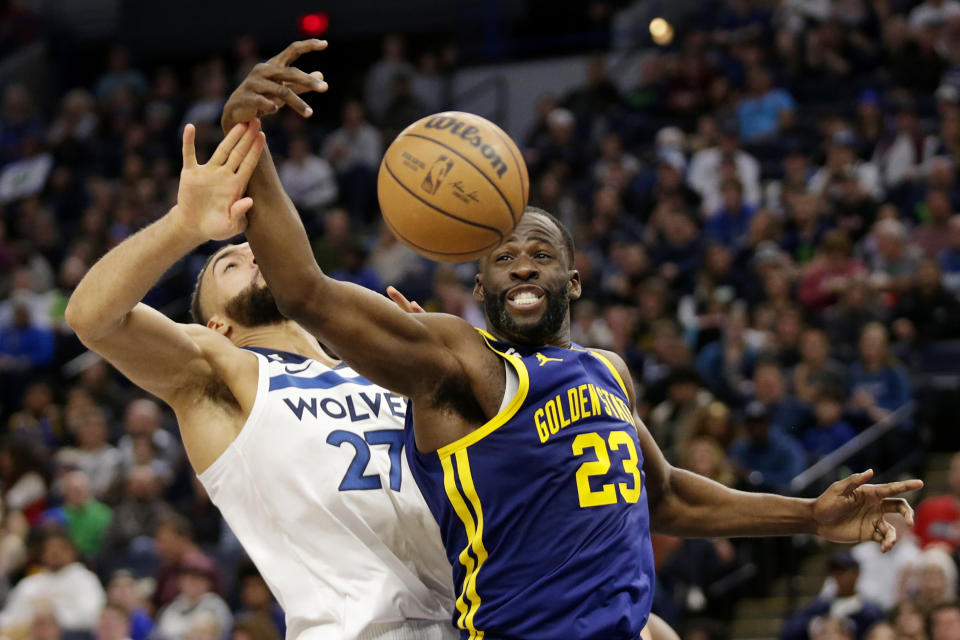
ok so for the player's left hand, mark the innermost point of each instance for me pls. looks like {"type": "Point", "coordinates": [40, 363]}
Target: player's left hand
{"type": "Point", "coordinates": [401, 301]}
{"type": "Point", "coordinates": [850, 510]}
{"type": "Point", "coordinates": [272, 84]}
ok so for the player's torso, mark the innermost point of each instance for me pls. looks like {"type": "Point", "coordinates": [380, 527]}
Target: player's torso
{"type": "Point", "coordinates": [319, 493]}
{"type": "Point", "coordinates": [543, 510]}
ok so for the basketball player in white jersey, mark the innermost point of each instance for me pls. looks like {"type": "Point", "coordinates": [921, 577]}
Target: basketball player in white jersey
{"type": "Point", "coordinates": [301, 455]}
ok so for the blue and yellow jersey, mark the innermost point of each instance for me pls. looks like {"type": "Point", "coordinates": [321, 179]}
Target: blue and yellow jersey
{"type": "Point", "coordinates": [543, 510]}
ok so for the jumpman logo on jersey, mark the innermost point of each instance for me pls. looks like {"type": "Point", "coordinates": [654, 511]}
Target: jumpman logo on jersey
{"type": "Point", "coordinates": [542, 359]}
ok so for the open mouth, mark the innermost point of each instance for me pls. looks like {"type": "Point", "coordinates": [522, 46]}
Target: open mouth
{"type": "Point", "coordinates": [525, 297]}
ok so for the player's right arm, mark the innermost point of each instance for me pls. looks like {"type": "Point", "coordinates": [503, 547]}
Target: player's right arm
{"type": "Point", "coordinates": [105, 310]}
{"type": "Point", "coordinates": [409, 354]}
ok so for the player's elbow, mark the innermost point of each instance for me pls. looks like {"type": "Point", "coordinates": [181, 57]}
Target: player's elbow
{"type": "Point", "coordinates": [77, 317]}
{"type": "Point", "coordinates": [304, 302]}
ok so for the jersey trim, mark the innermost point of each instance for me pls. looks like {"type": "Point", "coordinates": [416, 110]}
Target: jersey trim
{"type": "Point", "coordinates": [457, 467]}
{"type": "Point", "coordinates": [616, 374]}
{"type": "Point", "coordinates": [502, 417]}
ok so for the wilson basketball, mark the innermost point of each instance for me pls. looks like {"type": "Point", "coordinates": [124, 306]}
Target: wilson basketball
{"type": "Point", "coordinates": [452, 186]}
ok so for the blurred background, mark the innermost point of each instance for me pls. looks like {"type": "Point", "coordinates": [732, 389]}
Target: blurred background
{"type": "Point", "coordinates": [764, 196]}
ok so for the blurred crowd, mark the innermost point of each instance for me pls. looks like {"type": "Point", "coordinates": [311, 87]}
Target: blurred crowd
{"type": "Point", "coordinates": [767, 227]}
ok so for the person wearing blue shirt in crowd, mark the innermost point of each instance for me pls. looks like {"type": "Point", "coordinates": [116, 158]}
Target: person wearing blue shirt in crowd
{"type": "Point", "coordinates": [762, 112]}
{"type": "Point", "coordinates": [768, 459]}
{"type": "Point", "coordinates": [830, 431]}
{"type": "Point", "coordinates": [879, 382]}
{"type": "Point", "coordinates": [731, 223]}
{"type": "Point", "coordinates": [950, 258]}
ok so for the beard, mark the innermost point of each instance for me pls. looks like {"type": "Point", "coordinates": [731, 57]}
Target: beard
{"type": "Point", "coordinates": [254, 307]}
{"type": "Point", "coordinates": [554, 315]}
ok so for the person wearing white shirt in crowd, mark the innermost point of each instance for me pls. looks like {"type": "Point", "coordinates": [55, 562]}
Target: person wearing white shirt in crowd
{"type": "Point", "coordinates": [72, 591]}
{"type": "Point", "coordinates": [933, 12]}
{"type": "Point", "coordinates": [308, 179]}
{"type": "Point", "coordinates": [901, 159]}
{"type": "Point", "coordinates": [114, 623]}
{"type": "Point", "coordinates": [710, 167]}
{"type": "Point", "coordinates": [195, 601]}
{"type": "Point", "coordinates": [355, 143]}
{"type": "Point", "coordinates": [841, 162]}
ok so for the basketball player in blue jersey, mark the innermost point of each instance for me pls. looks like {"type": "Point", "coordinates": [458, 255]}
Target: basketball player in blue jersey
{"type": "Point", "coordinates": [526, 446]}
{"type": "Point", "coordinates": [301, 455]}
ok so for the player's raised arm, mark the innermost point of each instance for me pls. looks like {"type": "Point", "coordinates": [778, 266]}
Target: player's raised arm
{"type": "Point", "coordinates": [689, 505]}
{"type": "Point", "coordinates": [385, 344]}
{"type": "Point", "coordinates": [105, 310]}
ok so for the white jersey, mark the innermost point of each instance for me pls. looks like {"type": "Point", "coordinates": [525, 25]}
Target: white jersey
{"type": "Point", "coordinates": [320, 495]}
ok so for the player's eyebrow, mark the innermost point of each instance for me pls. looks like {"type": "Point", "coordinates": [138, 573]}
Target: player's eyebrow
{"type": "Point", "coordinates": [226, 254]}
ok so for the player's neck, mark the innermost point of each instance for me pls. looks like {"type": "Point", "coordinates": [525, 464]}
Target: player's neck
{"type": "Point", "coordinates": [559, 339]}
{"type": "Point", "coordinates": [283, 336]}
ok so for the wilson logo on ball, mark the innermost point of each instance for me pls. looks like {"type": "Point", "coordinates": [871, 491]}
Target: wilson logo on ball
{"type": "Point", "coordinates": [434, 178]}
{"type": "Point", "coordinates": [472, 135]}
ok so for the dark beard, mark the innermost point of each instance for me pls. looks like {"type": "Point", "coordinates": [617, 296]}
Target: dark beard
{"type": "Point", "coordinates": [254, 307]}
{"type": "Point", "coordinates": [550, 323]}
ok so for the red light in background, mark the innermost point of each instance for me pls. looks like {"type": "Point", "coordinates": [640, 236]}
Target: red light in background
{"type": "Point", "coordinates": [314, 24]}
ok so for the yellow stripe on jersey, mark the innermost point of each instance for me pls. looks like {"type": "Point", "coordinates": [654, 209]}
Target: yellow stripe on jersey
{"type": "Point", "coordinates": [466, 481]}
{"type": "Point", "coordinates": [616, 374]}
{"type": "Point", "coordinates": [501, 418]}
{"type": "Point", "coordinates": [460, 508]}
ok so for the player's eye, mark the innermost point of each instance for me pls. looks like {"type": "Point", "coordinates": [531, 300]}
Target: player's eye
{"type": "Point", "coordinates": [504, 257]}
{"type": "Point", "coordinates": [542, 255]}
{"type": "Point", "coordinates": [230, 265]}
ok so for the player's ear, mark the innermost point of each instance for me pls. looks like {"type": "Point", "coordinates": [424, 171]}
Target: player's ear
{"type": "Point", "coordinates": [576, 287]}
{"type": "Point", "coordinates": [219, 324]}
{"type": "Point", "coordinates": [478, 288]}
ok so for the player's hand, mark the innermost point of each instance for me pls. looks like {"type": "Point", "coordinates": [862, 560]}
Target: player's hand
{"type": "Point", "coordinates": [272, 84]}
{"type": "Point", "coordinates": [210, 202]}
{"type": "Point", "coordinates": [401, 301]}
{"type": "Point", "coordinates": [850, 510]}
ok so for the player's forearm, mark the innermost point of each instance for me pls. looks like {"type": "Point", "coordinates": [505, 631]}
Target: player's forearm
{"type": "Point", "coordinates": [121, 278]}
{"type": "Point", "coordinates": [697, 507]}
{"type": "Point", "coordinates": [280, 242]}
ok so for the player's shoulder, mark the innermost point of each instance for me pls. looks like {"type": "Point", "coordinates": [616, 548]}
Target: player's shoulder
{"type": "Point", "coordinates": [455, 332]}
{"type": "Point", "coordinates": [618, 363]}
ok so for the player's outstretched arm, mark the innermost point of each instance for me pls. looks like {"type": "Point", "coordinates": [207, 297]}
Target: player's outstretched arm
{"type": "Point", "coordinates": [407, 354]}
{"type": "Point", "coordinates": [105, 310]}
{"type": "Point", "coordinates": [689, 505]}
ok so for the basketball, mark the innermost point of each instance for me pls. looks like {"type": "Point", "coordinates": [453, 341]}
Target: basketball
{"type": "Point", "coordinates": [452, 186]}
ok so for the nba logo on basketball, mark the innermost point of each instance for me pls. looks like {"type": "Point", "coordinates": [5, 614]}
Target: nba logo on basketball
{"type": "Point", "coordinates": [441, 167]}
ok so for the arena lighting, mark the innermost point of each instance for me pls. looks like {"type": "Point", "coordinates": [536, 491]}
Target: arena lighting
{"type": "Point", "coordinates": [661, 31]}
{"type": "Point", "coordinates": [314, 24]}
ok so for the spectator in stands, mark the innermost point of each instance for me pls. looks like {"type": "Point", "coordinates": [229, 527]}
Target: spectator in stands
{"type": "Point", "coordinates": [307, 178]}
{"type": "Point", "coordinates": [786, 412]}
{"type": "Point", "coordinates": [715, 423]}
{"type": "Point", "coordinates": [72, 591]}
{"type": "Point", "coordinates": [931, 579]}
{"type": "Point", "coordinates": [93, 454]}
{"type": "Point", "coordinates": [121, 75]}
{"type": "Point", "coordinates": [831, 628]}
{"type": "Point", "coordinates": [908, 621]}
{"type": "Point", "coordinates": [84, 518]}
{"type": "Point", "coordinates": [879, 382]}
{"type": "Point", "coordinates": [354, 150]}
{"type": "Point", "coordinates": [843, 165]}
{"type": "Point", "coordinates": [882, 630]}
{"type": "Point", "coordinates": [24, 345]}
{"type": "Point", "coordinates": [24, 477]}
{"type": "Point", "coordinates": [804, 228]}
{"type": "Point", "coordinates": [726, 365]}
{"type": "Point", "coordinates": [894, 261]}
{"type": "Point", "coordinates": [123, 592]}
{"type": "Point", "coordinates": [901, 156]}
{"type": "Point", "coordinates": [933, 236]}
{"type": "Point", "coordinates": [830, 273]}
{"type": "Point", "coordinates": [882, 574]}
{"type": "Point", "coordinates": [142, 419]}
{"type": "Point", "coordinates": [943, 622]}
{"type": "Point", "coordinates": [254, 627]}
{"type": "Point", "coordinates": [830, 431]}
{"type": "Point", "coordinates": [709, 167]}
{"type": "Point", "coordinates": [767, 459]}
{"type": "Point", "coordinates": [950, 257]}
{"type": "Point", "coordinates": [817, 371]}
{"type": "Point", "coordinates": [256, 599]}
{"type": "Point", "coordinates": [938, 517]}
{"type": "Point", "coordinates": [671, 421]}
{"type": "Point", "coordinates": [730, 223]}
{"type": "Point", "coordinates": [927, 311]}
{"type": "Point", "coordinates": [763, 111]}
{"type": "Point", "coordinates": [194, 599]}
{"type": "Point", "coordinates": [845, 570]}
{"type": "Point", "coordinates": [114, 623]}
{"type": "Point", "coordinates": [41, 419]}
{"type": "Point", "coordinates": [933, 12]}
{"type": "Point", "coordinates": [381, 75]}
{"type": "Point", "coordinates": [174, 541]}
{"type": "Point", "coordinates": [139, 512]}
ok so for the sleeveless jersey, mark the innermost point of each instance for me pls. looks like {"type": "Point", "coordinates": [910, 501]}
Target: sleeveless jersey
{"type": "Point", "coordinates": [543, 510]}
{"type": "Point", "coordinates": [317, 490]}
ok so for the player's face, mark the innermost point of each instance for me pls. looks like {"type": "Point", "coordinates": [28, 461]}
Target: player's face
{"type": "Point", "coordinates": [525, 285]}
{"type": "Point", "coordinates": [240, 290]}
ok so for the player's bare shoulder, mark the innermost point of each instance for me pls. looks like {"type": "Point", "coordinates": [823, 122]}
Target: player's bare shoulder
{"type": "Point", "coordinates": [233, 371]}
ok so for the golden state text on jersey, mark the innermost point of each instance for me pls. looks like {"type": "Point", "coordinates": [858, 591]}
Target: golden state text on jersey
{"type": "Point", "coordinates": [543, 510]}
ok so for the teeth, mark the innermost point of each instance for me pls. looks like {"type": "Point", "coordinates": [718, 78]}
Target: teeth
{"type": "Point", "coordinates": [525, 299]}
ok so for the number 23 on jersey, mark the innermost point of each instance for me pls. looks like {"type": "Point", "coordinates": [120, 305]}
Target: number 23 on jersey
{"type": "Point", "coordinates": [619, 441]}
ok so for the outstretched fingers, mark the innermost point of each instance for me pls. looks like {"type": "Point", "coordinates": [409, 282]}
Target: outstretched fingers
{"type": "Point", "coordinates": [243, 147]}
{"type": "Point", "coordinates": [226, 145]}
{"type": "Point", "coordinates": [898, 505]}
{"type": "Point", "coordinates": [252, 157]}
{"type": "Point", "coordinates": [857, 480]}
{"type": "Point", "coordinates": [896, 488]}
{"type": "Point", "coordinates": [189, 151]}
{"type": "Point", "coordinates": [297, 49]}
{"type": "Point", "coordinates": [401, 301]}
